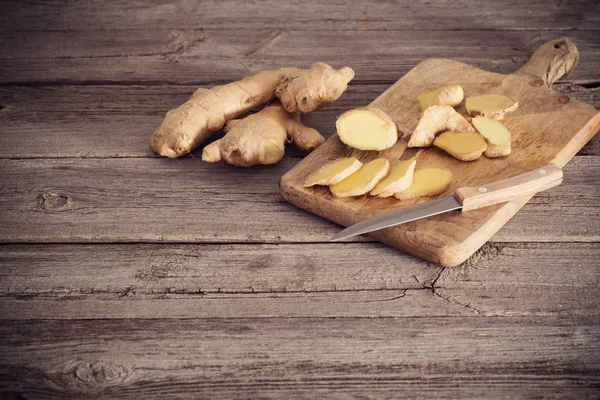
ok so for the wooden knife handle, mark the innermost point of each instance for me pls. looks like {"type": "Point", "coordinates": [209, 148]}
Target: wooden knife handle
{"type": "Point", "coordinates": [531, 182]}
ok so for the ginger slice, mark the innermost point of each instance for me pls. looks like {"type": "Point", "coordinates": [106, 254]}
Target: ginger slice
{"type": "Point", "coordinates": [367, 129]}
{"type": "Point", "coordinates": [448, 95]}
{"type": "Point", "coordinates": [464, 146]}
{"type": "Point", "coordinates": [436, 119]}
{"type": "Point", "coordinates": [334, 172]}
{"type": "Point", "coordinates": [495, 134]}
{"type": "Point", "coordinates": [490, 105]}
{"type": "Point", "coordinates": [363, 180]}
{"type": "Point", "coordinates": [426, 182]}
{"type": "Point", "coordinates": [399, 178]}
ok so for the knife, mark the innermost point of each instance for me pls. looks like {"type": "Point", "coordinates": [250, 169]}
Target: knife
{"type": "Point", "coordinates": [465, 199]}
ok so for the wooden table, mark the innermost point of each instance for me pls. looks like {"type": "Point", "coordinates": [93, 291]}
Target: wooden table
{"type": "Point", "coordinates": [127, 275]}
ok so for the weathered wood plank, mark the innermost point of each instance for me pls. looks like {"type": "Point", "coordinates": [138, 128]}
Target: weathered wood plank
{"type": "Point", "coordinates": [171, 269]}
{"type": "Point", "coordinates": [117, 121]}
{"type": "Point", "coordinates": [308, 15]}
{"type": "Point", "coordinates": [229, 281]}
{"type": "Point", "coordinates": [204, 57]}
{"type": "Point", "coordinates": [187, 200]}
{"type": "Point", "coordinates": [527, 357]}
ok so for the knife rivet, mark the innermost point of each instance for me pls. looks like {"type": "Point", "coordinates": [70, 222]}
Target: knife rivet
{"type": "Point", "coordinates": [483, 189]}
{"type": "Point", "coordinates": [543, 171]}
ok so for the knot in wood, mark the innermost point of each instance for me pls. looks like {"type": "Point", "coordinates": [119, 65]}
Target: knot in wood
{"type": "Point", "coordinates": [564, 99]}
{"type": "Point", "coordinates": [91, 377]}
{"type": "Point", "coordinates": [53, 201]}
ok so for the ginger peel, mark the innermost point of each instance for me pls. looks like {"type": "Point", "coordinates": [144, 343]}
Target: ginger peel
{"type": "Point", "coordinates": [260, 138]}
{"type": "Point", "coordinates": [207, 110]}
{"type": "Point", "coordinates": [436, 119]}
{"type": "Point", "coordinates": [448, 95]}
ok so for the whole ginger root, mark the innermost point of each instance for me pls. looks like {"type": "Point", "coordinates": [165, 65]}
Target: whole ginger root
{"type": "Point", "coordinates": [207, 110]}
{"type": "Point", "coordinates": [260, 138]}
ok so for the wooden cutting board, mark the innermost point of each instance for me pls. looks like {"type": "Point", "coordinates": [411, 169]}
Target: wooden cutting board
{"type": "Point", "coordinates": [547, 127]}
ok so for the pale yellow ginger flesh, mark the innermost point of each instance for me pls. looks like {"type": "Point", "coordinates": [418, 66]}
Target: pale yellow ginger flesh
{"type": "Point", "coordinates": [367, 129]}
{"type": "Point", "coordinates": [399, 178]}
{"type": "Point", "coordinates": [449, 95]}
{"type": "Point", "coordinates": [207, 110]}
{"type": "Point", "coordinates": [496, 135]}
{"type": "Point", "coordinates": [426, 182]}
{"type": "Point", "coordinates": [490, 105]}
{"type": "Point", "coordinates": [260, 138]}
{"type": "Point", "coordinates": [363, 180]}
{"type": "Point", "coordinates": [437, 119]}
{"type": "Point", "coordinates": [464, 146]}
{"type": "Point", "coordinates": [334, 172]}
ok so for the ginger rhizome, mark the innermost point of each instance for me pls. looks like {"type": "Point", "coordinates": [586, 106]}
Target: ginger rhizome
{"type": "Point", "coordinates": [207, 110]}
{"type": "Point", "coordinates": [464, 146]}
{"type": "Point", "coordinates": [496, 136]}
{"type": "Point", "coordinates": [437, 119]}
{"type": "Point", "coordinates": [490, 105]}
{"type": "Point", "coordinates": [367, 129]}
{"type": "Point", "coordinates": [363, 180]}
{"type": "Point", "coordinates": [426, 182]}
{"type": "Point", "coordinates": [260, 138]}
{"type": "Point", "coordinates": [334, 172]}
{"type": "Point", "coordinates": [399, 178]}
{"type": "Point", "coordinates": [448, 95]}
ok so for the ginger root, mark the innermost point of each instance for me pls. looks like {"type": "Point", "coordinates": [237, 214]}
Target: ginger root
{"type": "Point", "coordinates": [334, 172]}
{"type": "Point", "coordinates": [496, 136]}
{"type": "Point", "coordinates": [399, 178]}
{"type": "Point", "coordinates": [464, 146]}
{"type": "Point", "coordinates": [207, 110]}
{"type": "Point", "coordinates": [490, 105]}
{"type": "Point", "coordinates": [436, 119]}
{"type": "Point", "coordinates": [363, 180]}
{"type": "Point", "coordinates": [260, 138]}
{"type": "Point", "coordinates": [367, 129]}
{"type": "Point", "coordinates": [426, 182]}
{"type": "Point", "coordinates": [448, 95]}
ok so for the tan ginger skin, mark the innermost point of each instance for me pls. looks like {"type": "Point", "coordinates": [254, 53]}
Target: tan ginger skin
{"type": "Point", "coordinates": [207, 110]}
{"type": "Point", "coordinates": [260, 138]}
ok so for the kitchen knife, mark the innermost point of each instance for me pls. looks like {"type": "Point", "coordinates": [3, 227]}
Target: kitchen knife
{"type": "Point", "coordinates": [465, 199]}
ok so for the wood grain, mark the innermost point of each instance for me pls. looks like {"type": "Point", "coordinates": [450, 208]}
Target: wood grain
{"type": "Point", "coordinates": [187, 200]}
{"type": "Point", "coordinates": [208, 57]}
{"type": "Point", "coordinates": [546, 128]}
{"type": "Point", "coordinates": [117, 121]}
{"type": "Point", "coordinates": [309, 15]}
{"type": "Point", "coordinates": [525, 357]}
{"type": "Point", "coordinates": [185, 281]}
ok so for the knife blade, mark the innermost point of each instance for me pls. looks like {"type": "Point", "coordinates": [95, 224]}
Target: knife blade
{"type": "Point", "coordinates": [464, 199]}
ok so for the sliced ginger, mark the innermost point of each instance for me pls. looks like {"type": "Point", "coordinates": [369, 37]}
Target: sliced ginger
{"type": "Point", "coordinates": [495, 134]}
{"type": "Point", "coordinates": [436, 119]}
{"type": "Point", "coordinates": [449, 95]}
{"type": "Point", "coordinates": [490, 105]}
{"type": "Point", "coordinates": [367, 129]}
{"type": "Point", "coordinates": [426, 182]}
{"type": "Point", "coordinates": [334, 172]}
{"type": "Point", "coordinates": [399, 178]}
{"type": "Point", "coordinates": [464, 146]}
{"type": "Point", "coordinates": [363, 180]}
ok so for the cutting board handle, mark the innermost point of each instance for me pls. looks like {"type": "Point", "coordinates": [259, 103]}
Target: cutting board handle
{"type": "Point", "coordinates": [551, 61]}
